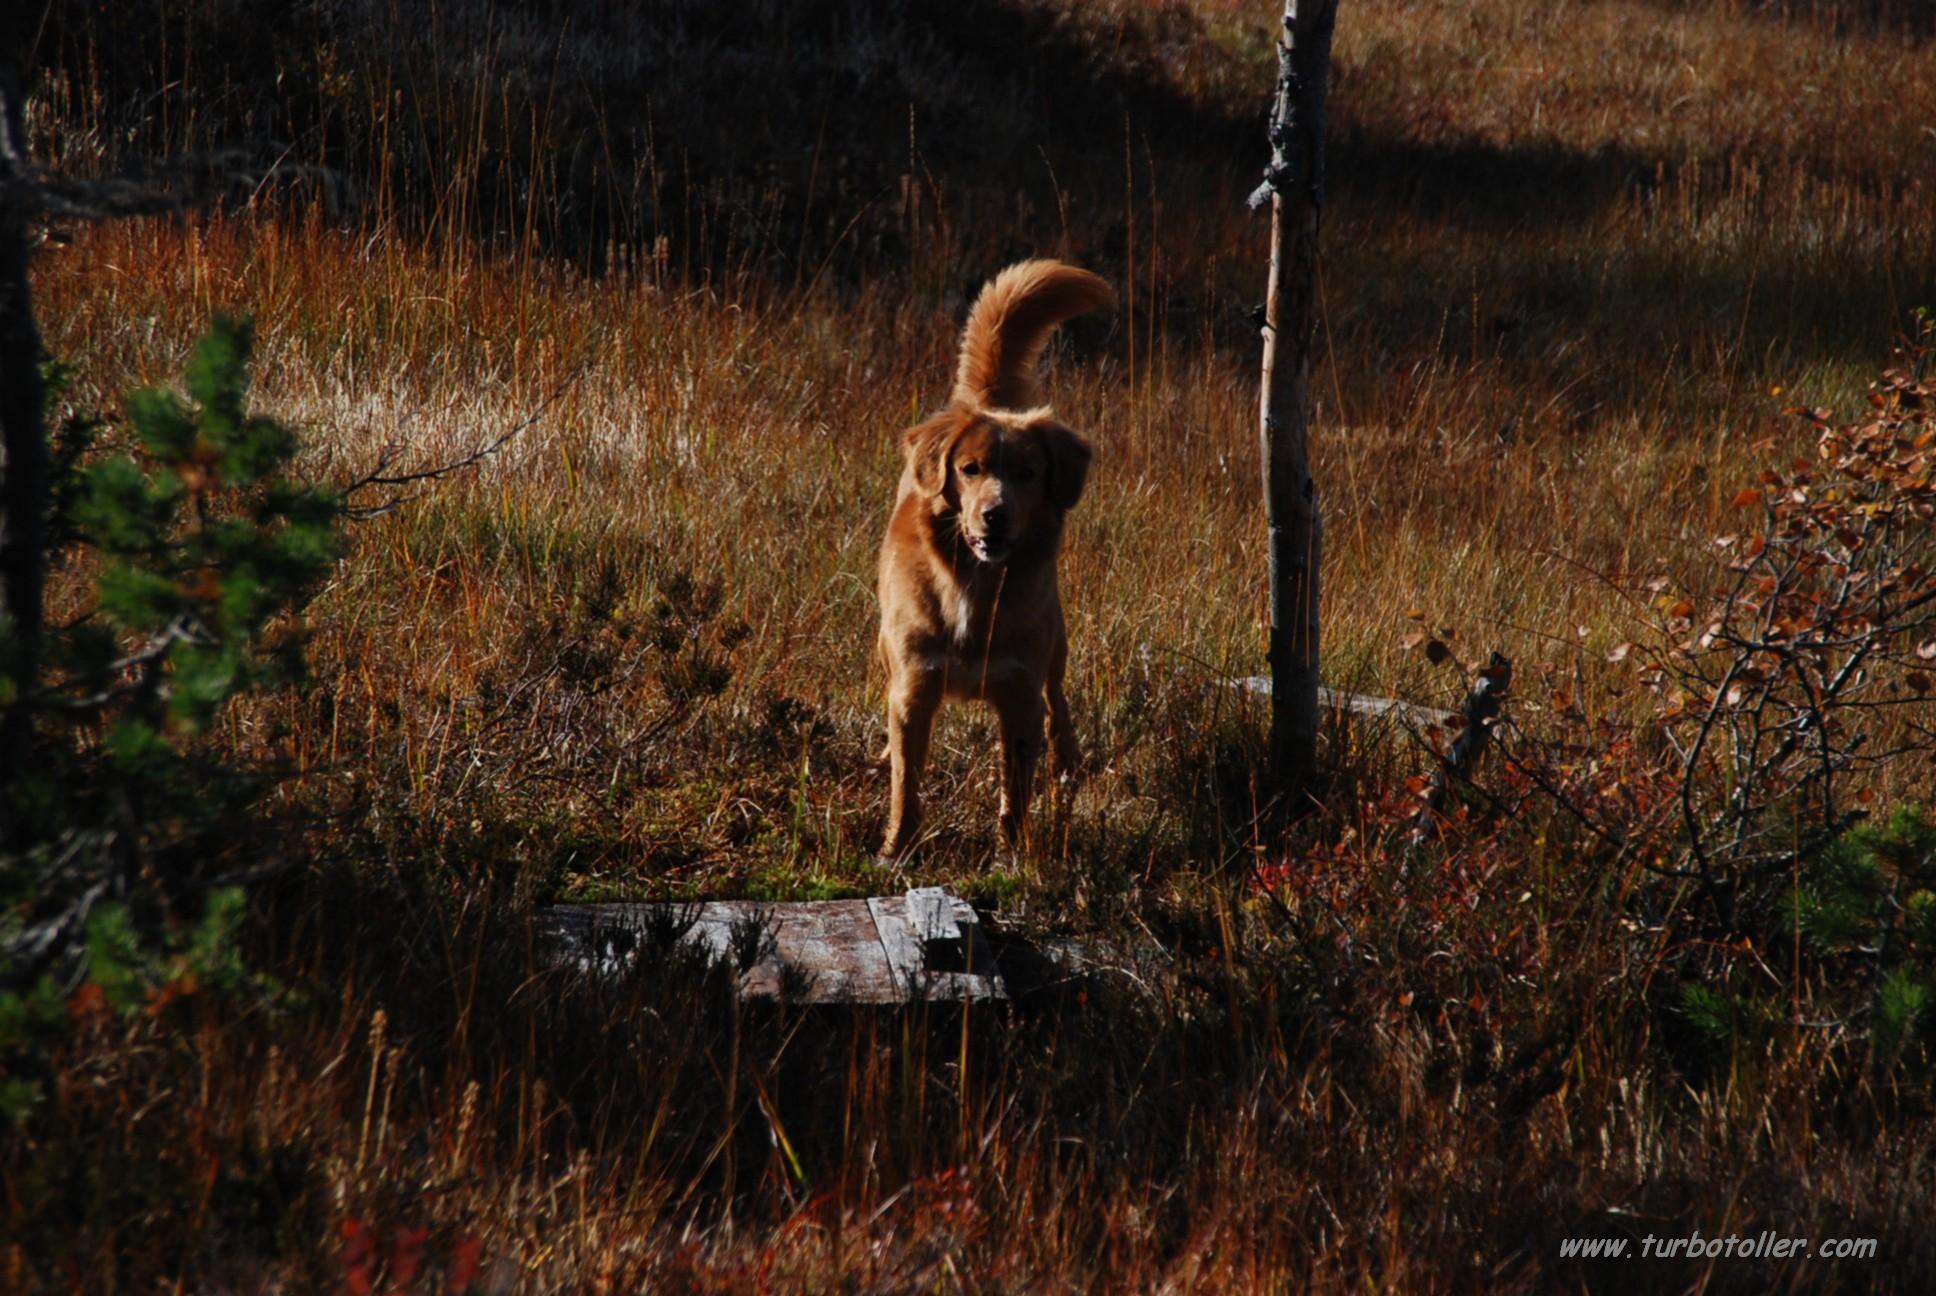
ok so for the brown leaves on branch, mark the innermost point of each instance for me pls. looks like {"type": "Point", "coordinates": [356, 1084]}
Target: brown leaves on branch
{"type": "Point", "coordinates": [1788, 675]}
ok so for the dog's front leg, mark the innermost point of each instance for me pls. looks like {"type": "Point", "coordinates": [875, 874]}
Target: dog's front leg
{"type": "Point", "coordinates": [1020, 711]}
{"type": "Point", "coordinates": [912, 699]}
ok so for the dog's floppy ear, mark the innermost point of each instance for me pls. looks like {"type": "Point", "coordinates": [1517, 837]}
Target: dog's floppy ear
{"type": "Point", "coordinates": [1068, 464]}
{"type": "Point", "coordinates": [926, 447]}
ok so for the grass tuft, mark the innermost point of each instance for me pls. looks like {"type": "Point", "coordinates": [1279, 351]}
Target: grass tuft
{"type": "Point", "coordinates": [1577, 258]}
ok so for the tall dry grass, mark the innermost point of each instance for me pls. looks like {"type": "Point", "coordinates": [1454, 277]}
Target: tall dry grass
{"type": "Point", "coordinates": [722, 258]}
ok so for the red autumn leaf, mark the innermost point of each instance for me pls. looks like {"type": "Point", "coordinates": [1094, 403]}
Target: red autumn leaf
{"type": "Point", "coordinates": [359, 1248]}
{"type": "Point", "coordinates": [357, 1240]}
{"type": "Point", "coordinates": [1747, 497]}
{"type": "Point", "coordinates": [465, 1262]}
{"type": "Point", "coordinates": [89, 1003]}
{"type": "Point", "coordinates": [407, 1254]}
{"type": "Point", "coordinates": [161, 996]}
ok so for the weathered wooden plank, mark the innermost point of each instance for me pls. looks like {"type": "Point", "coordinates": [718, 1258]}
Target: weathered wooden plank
{"type": "Point", "coordinates": [932, 916]}
{"type": "Point", "coordinates": [832, 944]}
{"type": "Point", "coordinates": [968, 922]}
{"type": "Point", "coordinates": [899, 947]}
{"type": "Point", "coordinates": [966, 971]}
{"type": "Point", "coordinates": [832, 951]}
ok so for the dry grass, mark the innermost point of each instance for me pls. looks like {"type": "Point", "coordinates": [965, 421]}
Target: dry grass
{"type": "Point", "coordinates": [1570, 251]}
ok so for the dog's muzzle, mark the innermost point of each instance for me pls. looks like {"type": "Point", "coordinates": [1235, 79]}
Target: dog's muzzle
{"type": "Point", "coordinates": [994, 542]}
{"type": "Point", "coordinates": [988, 550]}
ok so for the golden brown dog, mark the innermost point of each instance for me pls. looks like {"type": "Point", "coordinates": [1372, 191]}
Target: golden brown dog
{"type": "Point", "coordinates": [969, 604]}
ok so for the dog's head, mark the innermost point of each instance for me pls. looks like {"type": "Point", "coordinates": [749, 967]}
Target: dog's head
{"type": "Point", "coordinates": [1001, 479]}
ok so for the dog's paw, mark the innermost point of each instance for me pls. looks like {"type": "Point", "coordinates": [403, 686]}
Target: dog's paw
{"type": "Point", "coordinates": [897, 846]}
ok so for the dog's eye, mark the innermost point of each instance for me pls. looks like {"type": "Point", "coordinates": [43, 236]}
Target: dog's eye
{"type": "Point", "coordinates": [971, 470]}
{"type": "Point", "coordinates": [1024, 473]}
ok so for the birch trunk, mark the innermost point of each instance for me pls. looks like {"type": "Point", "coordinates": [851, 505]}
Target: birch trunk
{"type": "Point", "coordinates": [1294, 186]}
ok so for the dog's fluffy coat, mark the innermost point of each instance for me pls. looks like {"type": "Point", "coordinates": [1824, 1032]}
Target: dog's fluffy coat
{"type": "Point", "coordinates": [969, 603]}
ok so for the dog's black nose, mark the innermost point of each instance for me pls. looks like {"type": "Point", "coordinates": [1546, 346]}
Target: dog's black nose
{"type": "Point", "coordinates": [995, 521]}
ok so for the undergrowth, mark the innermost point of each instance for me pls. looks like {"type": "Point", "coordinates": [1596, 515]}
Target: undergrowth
{"type": "Point", "coordinates": [1652, 973]}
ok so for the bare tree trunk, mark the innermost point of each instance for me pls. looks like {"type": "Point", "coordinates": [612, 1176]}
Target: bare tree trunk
{"type": "Point", "coordinates": [1294, 185]}
{"type": "Point", "coordinates": [23, 439]}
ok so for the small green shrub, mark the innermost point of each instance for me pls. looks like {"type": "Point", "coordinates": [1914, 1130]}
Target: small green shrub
{"type": "Point", "coordinates": [202, 549]}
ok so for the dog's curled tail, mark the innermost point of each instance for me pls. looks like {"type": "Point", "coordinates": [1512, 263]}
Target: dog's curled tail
{"type": "Point", "coordinates": [1009, 325]}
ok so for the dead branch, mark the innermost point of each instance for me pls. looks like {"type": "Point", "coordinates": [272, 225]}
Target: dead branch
{"type": "Point", "coordinates": [380, 474]}
{"type": "Point", "coordinates": [1481, 710]}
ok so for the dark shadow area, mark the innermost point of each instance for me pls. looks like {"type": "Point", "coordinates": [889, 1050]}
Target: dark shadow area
{"type": "Point", "coordinates": [830, 144]}
{"type": "Point", "coordinates": [766, 138]}
{"type": "Point", "coordinates": [1907, 19]}
{"type": "Point", "coordinates": [784, 140]}
{"type": "Point", "coordinates": [1475, 184]}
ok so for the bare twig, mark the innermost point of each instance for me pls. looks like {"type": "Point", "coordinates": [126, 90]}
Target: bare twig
{"type": "Point", "coordinates": [380, 473]}
{"type": "Point", "coordinates": [180, 630]}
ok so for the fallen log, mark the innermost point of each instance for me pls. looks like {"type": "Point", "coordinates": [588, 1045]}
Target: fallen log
{"type": "Point", "coordinates": [1363, 704]}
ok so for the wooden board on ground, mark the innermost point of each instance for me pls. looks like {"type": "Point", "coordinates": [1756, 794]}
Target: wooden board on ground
{"type": "Point", "coordinates": [827, 951]}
